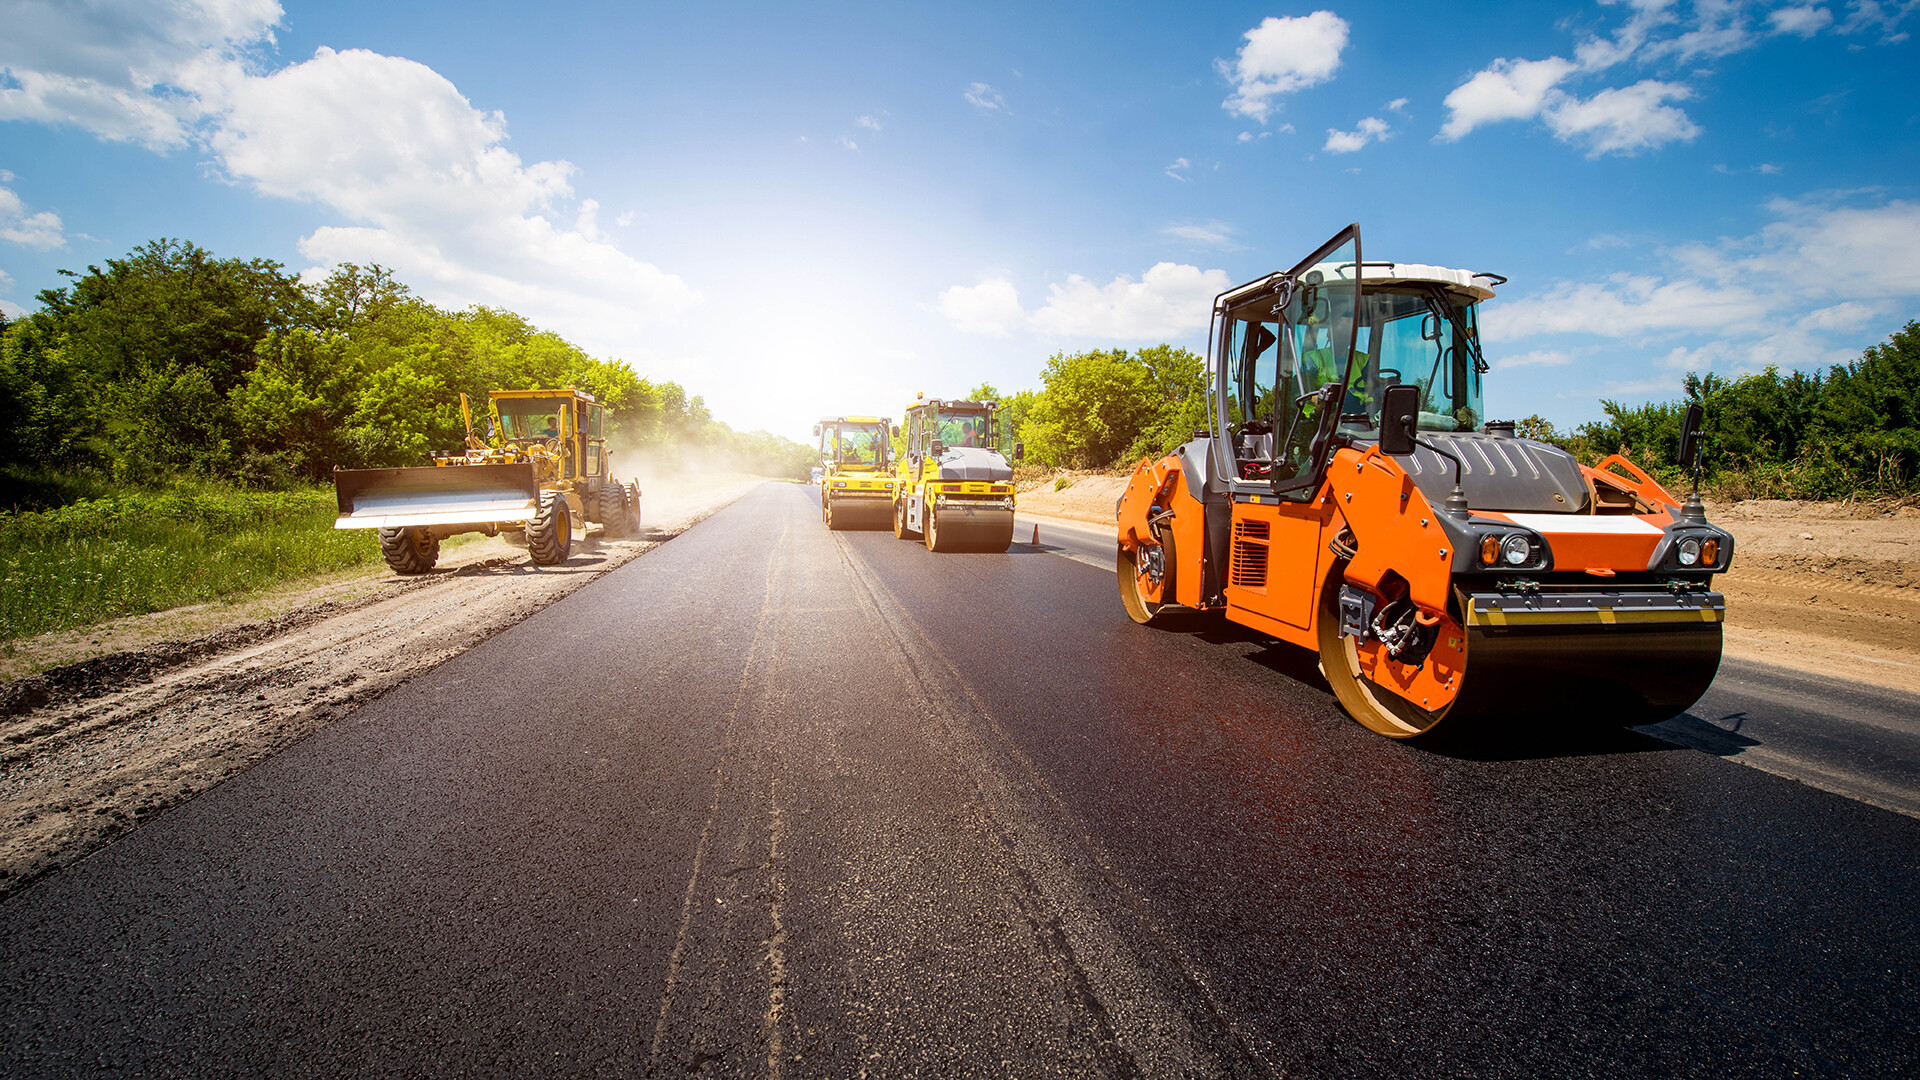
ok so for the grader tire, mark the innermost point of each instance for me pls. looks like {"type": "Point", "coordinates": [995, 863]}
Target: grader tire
{"type": "Point", "coordinates": [612, 500]}
{"type": "Point", "coordinates": [550, 533]}
{"type": "Point", "coordinates": [410, 549]}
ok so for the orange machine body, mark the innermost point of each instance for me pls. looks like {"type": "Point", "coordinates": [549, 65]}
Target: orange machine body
{"type": "Point", "coordinates": [1349, 497]}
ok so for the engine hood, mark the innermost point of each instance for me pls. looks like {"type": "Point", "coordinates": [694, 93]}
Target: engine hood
{"type": "Point", "coordinates": [973, 463]}
{"type": "Point", "coordinates": [1499, 473]}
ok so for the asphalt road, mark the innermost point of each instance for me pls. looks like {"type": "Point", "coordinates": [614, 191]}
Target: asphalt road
{"type": "Point", "coordinates": [1850, 738]}
{"type": "Point", "coordinates": [772, 801]}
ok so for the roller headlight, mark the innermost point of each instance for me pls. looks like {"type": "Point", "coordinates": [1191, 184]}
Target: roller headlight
{"type": "Point", "coordinates": [1710, 552]}
{"type": "Point", "coordinates": [1489, 550]}
{"type": "Point", "coordinates": [1689, 552]}
{"type": "Point", "coordinates": [1516, 550]}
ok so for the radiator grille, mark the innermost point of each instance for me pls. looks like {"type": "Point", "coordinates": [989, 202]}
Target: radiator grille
{"type": "Point", "coordinates": [1249, 566]}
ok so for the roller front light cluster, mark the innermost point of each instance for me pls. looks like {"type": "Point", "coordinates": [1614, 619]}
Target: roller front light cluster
{"type": "Point", "coordinates": [1695, 552]}
{"type": "Point", "coordinates": [1510, 550]}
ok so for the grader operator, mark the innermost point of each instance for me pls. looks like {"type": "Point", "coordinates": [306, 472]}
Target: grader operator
{"type": "Point", "coordinates": [1350, 498]}
{"type": "Point", "coordinates": [956, 477]}
{"type": "Point", "coordinates": [543, 466]}
{"type": "Point", "coordinates": [856, 486]}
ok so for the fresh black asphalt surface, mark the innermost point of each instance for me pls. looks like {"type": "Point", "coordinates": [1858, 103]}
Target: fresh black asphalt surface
{"type": "Point", "coordinates": [773, 801]}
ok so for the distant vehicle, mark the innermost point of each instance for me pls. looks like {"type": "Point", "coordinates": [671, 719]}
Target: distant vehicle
{"type": "Point", "coordinates": [1351, 498]}
{"type": "Point", "coordinates": [856, 491]}
{"type": "Point", "coordinates": [813, 475]}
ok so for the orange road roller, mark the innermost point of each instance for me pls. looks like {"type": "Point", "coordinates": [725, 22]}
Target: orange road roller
{"type": "Point", "coordinates": [1351, 498]}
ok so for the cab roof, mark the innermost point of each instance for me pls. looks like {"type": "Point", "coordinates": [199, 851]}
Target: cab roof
{"type": "Point", "coordinates": [1467, 285]}
{"type": "Point", "coordinates": [571, 391]}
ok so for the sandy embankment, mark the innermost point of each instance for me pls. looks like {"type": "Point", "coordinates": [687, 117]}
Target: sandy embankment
{"type": "Point", "coordinates": [104, 726]}
{"type": "Point", "coordinates": [1828, 588]}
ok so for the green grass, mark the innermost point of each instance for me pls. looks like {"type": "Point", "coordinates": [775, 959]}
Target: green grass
{"type": "Point", "coordinates": [135, 552]}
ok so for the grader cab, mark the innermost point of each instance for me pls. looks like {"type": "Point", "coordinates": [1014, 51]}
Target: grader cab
{"type": "Point", "coordinates": [1351, 498]}
{"type": "Point", "coordinates": [542, 467]}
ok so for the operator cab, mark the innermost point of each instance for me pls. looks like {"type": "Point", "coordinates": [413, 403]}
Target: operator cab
{"type": "Point", "coordinates": [853, 443]}
{"type": "Point", "coordinates": [934, 427]}
{"type": "Point", "coordinates": [571, 426]}
{"type": "Point", "coordinates": [1292, 348]}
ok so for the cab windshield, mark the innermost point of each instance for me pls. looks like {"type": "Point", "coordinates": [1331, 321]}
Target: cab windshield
{"type": "Point", "coordinates": [853, 444]}
{"type": "Point", "coordinates": [530, 418]}
{"type": "Point", "coordinates": [1422, 337]}
{"type": "Point", "coordinates": [965, 427]}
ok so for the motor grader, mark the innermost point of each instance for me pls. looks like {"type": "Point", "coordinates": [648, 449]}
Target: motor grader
{"type": "Point", "coordinates": [856, 486]}
{"type": "Point", "coordinates": [955, 479]}
{"type": "Point", "coordinates": [1350, 498]}
{"type": "Point", "coordinates": [543, 466]}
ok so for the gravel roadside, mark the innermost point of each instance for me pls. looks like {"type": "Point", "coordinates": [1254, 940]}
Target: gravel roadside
{"type": "Point", "coordinates": [134, 717]}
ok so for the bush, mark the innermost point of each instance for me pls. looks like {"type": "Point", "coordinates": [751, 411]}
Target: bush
{"type": "Point", "coordinates": [139, 551]}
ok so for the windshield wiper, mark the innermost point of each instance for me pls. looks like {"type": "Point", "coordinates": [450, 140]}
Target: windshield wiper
{"type": "Point", "coordinates": [1434, 299]}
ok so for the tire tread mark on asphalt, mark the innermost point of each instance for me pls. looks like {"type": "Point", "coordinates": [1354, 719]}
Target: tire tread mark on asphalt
{"type": "Point", "coordinates": [777, 941]}
{"type": "Point", "coordinates": [677, 960]}
{"type": "Point", "coordinates": [1145, 1019]}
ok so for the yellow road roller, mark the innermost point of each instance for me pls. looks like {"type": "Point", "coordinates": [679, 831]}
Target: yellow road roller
{"type": "Point", "coordinates": [856, 479]}
{"type": "Point", "coordinates": [956, 477]}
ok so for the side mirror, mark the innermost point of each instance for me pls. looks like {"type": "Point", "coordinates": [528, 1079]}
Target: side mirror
{"type": "Point", "coordinates": [1399, 419]}
{"type": "Point", "coordinates": [816, 431]}
{"type": "Point", "coordinates": [1690, 437]}
{"type": "Point", "coordinates": [1019, 451]}
{"type": "Point", "coordinates": [894, 431]}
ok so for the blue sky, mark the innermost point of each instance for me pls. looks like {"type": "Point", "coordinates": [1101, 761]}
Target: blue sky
{"type": "Point", "coordinates": [821, 208]}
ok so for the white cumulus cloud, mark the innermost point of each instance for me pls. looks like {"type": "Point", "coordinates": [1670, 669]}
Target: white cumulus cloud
{"type": "Point", "coordinates": [1281, 56]}
{"type": "Point", "coordinates": [1169, 300]}
{"type": "Point", "coordinates": [1623, 121]}
{"type": "Point", "coordinates": [125, 70]}
{"type": "Point", "coordinates": [991, 307]}
{"type": "Point", "coordinates": [984, 96]}
{"type": "Point", "coordinates": [423, 179]}
{"type": "Point", "coordinates": [1626, 120]}
{"type": "Point", "coordinates": [17, 226]}
{"type": "Point", "coordinates": [1821, 268]}
{"type": "Point", "coordinates": [1804, 20]}
{"type": "Point", "coordinates": [1506, 90]}
{"type": "Point", "coordinates": [1370, 129]}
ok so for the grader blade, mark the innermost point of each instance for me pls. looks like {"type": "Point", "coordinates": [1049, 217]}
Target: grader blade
{"type": "Point", "coordinates": [453, 495]}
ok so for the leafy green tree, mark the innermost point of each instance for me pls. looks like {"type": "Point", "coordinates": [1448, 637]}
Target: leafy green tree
{"type": "Point", "coordinates": [1093, 407]}
{"type": "Point", "coordinates": [1869, 415]}
{"type": "Point", "coordinates": [1177, 381]}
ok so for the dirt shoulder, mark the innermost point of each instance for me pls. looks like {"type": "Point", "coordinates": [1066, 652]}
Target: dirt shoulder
{"type": "Point", "coordinates": [1827, 588]}
{"type": "Point", "coordinates": [104, 727]}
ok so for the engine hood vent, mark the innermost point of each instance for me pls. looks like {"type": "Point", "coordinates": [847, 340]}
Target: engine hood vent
{"type": "Point", "coordinates": [1499, 473]}
{"type": "Point", "coordinates": [973, 463]}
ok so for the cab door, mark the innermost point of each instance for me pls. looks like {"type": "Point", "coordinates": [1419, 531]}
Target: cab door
{"type": "Point", "coordinates": [1283, 434]}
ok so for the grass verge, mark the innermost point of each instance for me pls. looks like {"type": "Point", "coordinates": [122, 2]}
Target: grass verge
{"type": "Point", "coordinates": [136, 552]}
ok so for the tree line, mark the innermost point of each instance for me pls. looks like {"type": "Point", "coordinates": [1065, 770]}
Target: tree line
{"type": "Point", "coordinates": [172, 362]}
{"type": "Point", "coordinates": [1851, 431]}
